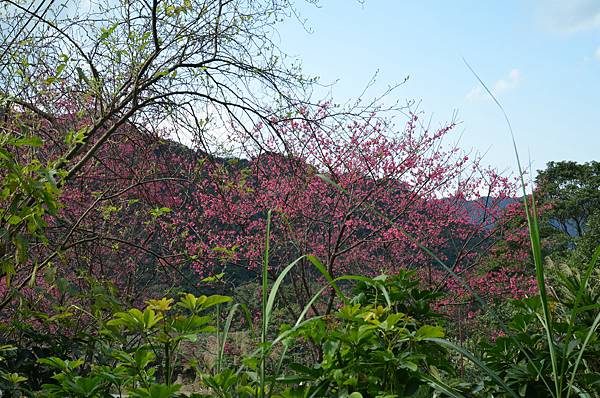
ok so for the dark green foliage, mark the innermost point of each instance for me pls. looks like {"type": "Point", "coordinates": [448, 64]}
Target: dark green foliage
{"type": "Point", "coordinates": [133, 352]}
{"type": "Point", "coordinates": [385, 341]}
{"type": "Point", "coordinates": [404, 291]}
{"type": "Point", "coordinates": [373, 347]}
{"type": "Point", "coordinates": [371, 350]}
{"type": "Point", "coordinates": [569, 193]}
{"type": "Point", "coordinates": [573, 191]}
{"type": "Point", "coordinates": [522, 359]}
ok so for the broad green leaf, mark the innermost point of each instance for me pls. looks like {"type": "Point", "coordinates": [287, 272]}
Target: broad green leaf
{"type": "Point", "coordinates": [428, 331]}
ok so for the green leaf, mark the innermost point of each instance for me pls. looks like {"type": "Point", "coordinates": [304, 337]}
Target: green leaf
{"type": "Point", "coordinates": [214, 300]}
{"type": "Point", "coordinates": [57, 363]}
{"type": "Point", "coordinates": [214, 278]}
{"type": "Point", "coordinates": [143, 358]}
{"type": "Point", "coordinates": [156, 391]}
{"type": "Point", "coordinates": [13, 378]}
{"type": "Point", "coordinates": [441, 386]}
{"type": "Point", "coordinates": [29, 141]}
{"type": "Point", "coordinates": [428, 331]}
{"type": "Point", "coordinates": [14, 219]}
{"type": "Point", "coordinates": [59, 69]}
{"type": "Point", "coordinates": [82, 76]}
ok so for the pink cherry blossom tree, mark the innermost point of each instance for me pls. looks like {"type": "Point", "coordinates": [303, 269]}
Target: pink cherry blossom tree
{"type": "Point", "coordinates": [392, 193]}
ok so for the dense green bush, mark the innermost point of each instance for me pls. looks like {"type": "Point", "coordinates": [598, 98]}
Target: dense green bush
{"type": "Point", "coordinates": [367, 345]}
{"type": "Point", "coordinates": [384, 341]}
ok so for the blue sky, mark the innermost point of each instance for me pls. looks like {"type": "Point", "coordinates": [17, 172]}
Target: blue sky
{"type": "Point", "coordinates": [540, 57]}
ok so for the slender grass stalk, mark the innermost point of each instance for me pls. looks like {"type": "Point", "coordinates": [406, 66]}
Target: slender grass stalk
{"type": "Point", "coordinates": [559, 376]}
{"type": "Point", "coordinates": [268, 298]}
{"type": "Point", "coordinates": [225, 335]}
{"type": "Point", "coordinates": [265, 314]}
{"type": "Point", "coordinates": [536, 246]}
{"type": "Point", "coordinates": [219, 353]}
{"type": "Point", "coordinates": [279, 365]}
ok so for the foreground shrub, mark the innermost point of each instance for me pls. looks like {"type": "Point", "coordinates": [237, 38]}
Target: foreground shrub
{"type": "Point", "coordinates": [134, 353]}
{"type": "Point", "coordinates": [375, 345]}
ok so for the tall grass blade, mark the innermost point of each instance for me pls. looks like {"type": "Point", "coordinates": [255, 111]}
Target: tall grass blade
{"type": "Point", "coordinates": [318, 294]}
{"type": "Point", "coordinates": [265, 317]}
{"type": "Point", "coordinates": [534, 236]}
{"type": "Point", "coordinates": [234, 308]}
{"type": "Point", "coordinates": [275, 289]}
{"type": "Point", "coordinates": [219, 338]}
{"type": "Point", "coordinates": [286, 270]}
{"type": "Point", "coordinates": [269, 296]}
{"type": "Point", "coordinates": [315, 261]}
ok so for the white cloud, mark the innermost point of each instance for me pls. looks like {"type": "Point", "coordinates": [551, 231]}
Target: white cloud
{"type": "Point", "coordinates": [475, 93]}
{"type": "Point", "coordinates": [597, 54]}
{"type": "Point", "coordinates": [509, 83]}
{"type": "Point", "coordinates": [570, 15]}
